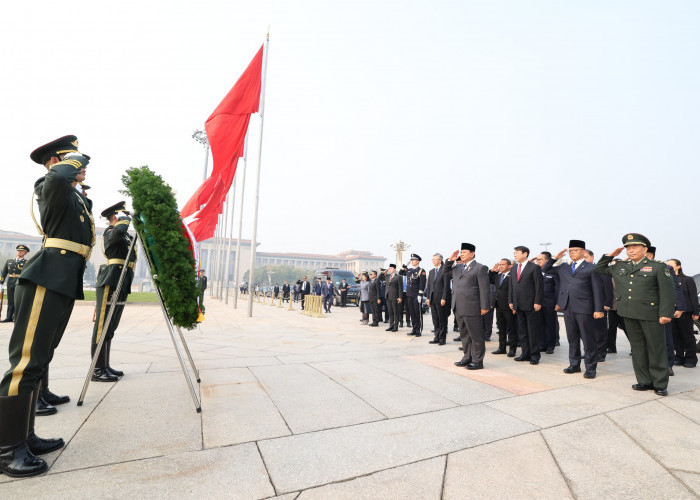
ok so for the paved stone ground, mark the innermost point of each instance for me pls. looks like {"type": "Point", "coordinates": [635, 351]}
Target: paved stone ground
{"type": "Point", "coordinates": [299, 407]}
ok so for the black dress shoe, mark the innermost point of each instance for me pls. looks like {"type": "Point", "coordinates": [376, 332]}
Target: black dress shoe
{"type": "Point", "coordinates": [522, 358]}
{"type": "Point", "coordinates": [457, 339]}
{"type": "Point", "coordinates": [39, 446]}
{"type": "Point", "coordinates": [557, 344]}
{"type": "Point", "coordinates": [677, 363]}
{"type": "Point", "coordinates": [475, 366]}
{"type": "Point", "coordinates": [394, 329]}
{"type": "Point", "coordinates": [462, 363]}
{"type": "Point", "coordinates": [43, 409]}
{"type": "Point", "coordinates": [417, 334]}
{"type": "Point", "coordinates": [6, 320]}
{"type": "Point", "coordinates": [572, 369]}
{"type": "Point", "coordinates": [661, 392]}
{"type": "Point", "coordinates": [601, 359]}
{"type": "Point", "coordinates": [53, 399]}
{"type": "Point", "coordinates": [374, 324]}
{"type": "Point", "coordinates": [434, 341]}
{"type": "Point", "coordinates": [19, 461]}
{"type": "Point", "coordinates": [410, 333]}
{"type": "Point", "coordinates": [688, 365]}
{"type": "Point", "coordinates": [388, 329]}
{"type": "Point", "coordinates": [612, 350]}
{"type": "Point", "coordinates": [589, 374]}
{"type": "Point", "coordinates": [100, 375]}
{"type": "Point", "coordinates": [498, 351]}
{"type": "Point", "coordinates": [642, 387]}
{"type": "Point", "coordinates": [550, 350]}
{"type": "Point", "coordinates": [670, 372]}
{"type": "Point", "coordinates": [511, 354]}
{"type": "Point", "coordinates": [461, 348]}
{"type": "Point", "coordinates": [442, 342]}
{"type": "Point", "coordinates": [534, 361]}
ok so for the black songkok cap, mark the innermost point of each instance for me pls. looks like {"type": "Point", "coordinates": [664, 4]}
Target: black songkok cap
{"type": "Point", "coordinates": [577, 244]}
{"type": "Point", "coordinates": [468, 246]}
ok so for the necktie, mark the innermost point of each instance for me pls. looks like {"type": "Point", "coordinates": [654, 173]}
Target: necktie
{"type": "Point", "coordinates": [573, 268]}
{"type": "Point", "coordinates": [520, 267]}
{"type": "Point", "coordinates": [503, 276]}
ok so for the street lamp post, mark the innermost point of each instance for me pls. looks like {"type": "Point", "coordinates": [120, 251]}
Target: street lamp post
{"type": "Point", "coordinates": [400, 248]}
{"type": "Point", "coordinates": [546, 245]}
{"type": "Point", "coordinates": [201, 137]}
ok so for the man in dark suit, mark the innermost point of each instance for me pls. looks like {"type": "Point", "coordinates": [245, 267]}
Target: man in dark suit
{"type": "Point", "coordinates": [304, 290]}
{"type": "Point", "coordinates": [328, 293]}
{"type": "Point", "coordinates": [276, 291]}
{"type": "Point", "coordinates": [601, 324]}
{"type": "Point", "coordinates": [394, 295]}
{"type": "Point", "coordinates": [439, 299]}
{"type": "Point", "coordinates": [548, 314]}
{"type": "Point", "coordinates": [525, 300]}
{"type": "Point", "coordinates": [499, 276]}
{"type": "Point", "coordinates": [343, 289]}
{"type": "Point", "coordinates": [285, 291]}
{"type": "Point", "coordinates": [471, 293]}
{"type": "Point", "coordinates": [374, 291]}
{"type": "Point", "coordinates": [318, 287]}
{"type": "Point", "coordinates": [581, 299]}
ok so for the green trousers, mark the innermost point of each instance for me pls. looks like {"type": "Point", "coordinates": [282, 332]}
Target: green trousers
{"type": "Point", "coordinates": [649, 358]}
{"type": "Point", "coordinates": [41, 317]}
{"type": "Point", "coordinates": [201, 301]}
{"type": "Point", "coordinates": [103, 296]}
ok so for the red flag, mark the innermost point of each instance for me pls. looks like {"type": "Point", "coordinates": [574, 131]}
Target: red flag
{"type": "Point", "coordinates": [226, 129]}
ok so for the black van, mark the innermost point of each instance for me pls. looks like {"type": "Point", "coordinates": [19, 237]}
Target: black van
{"type": "Point", "coordinates": [337, 276]}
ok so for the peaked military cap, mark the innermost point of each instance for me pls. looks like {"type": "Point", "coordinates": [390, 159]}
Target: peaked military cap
{"type": "Point", "coordinates": [22, 247]}
{"type": "Point", "coordinates": [577, 244]}
{"type": "Point", "coordinates": [415, 256]}
{"type": "Point", "coordinates": [468, 246]}
{"type": "Point", "coordinates": [117, 207]}
{"type": "Point", "coordinates": [635, 239]}
{"type": "Point", "coordinates": [65, 144]}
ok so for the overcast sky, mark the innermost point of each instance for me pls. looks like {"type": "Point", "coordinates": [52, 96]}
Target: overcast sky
{"type": "Point", "coordinates": [494, 122]}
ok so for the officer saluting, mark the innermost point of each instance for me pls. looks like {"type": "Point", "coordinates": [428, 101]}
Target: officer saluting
{"type": "Point", "coordinates": [646, 299]}
{"type": "Point", "coordinates": [44, 298]}
{"type": "Point", "coordinates": [10, 273]}
{"type": "Point", "coordinates": [115, 243]}
{"type": "Point", "coordinates": [415, 285]}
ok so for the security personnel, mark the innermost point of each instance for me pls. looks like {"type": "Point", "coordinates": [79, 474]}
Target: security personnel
{"type": "Point", "coordinates": [646, 299]}
{"type": "Point", "coordinates": [415, 285]}
{"type": "Point", "coordinates": [44, 298]}
{"type": "Point", "coordinates": [115, 246]}
{"type": "Point", "coordinates": [201, 286]}
{"type": "Point", "coordinates": [10, 273]}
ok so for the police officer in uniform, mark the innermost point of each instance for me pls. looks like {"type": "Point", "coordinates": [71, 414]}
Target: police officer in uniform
{"type": "Point", "coordinates": [115, 243]}
{"type": "Point", "coordinates": [44, 298]}
{"type": "Point", "coordinates": [415, 286]}
{"type": "Point", "coordinates": [10, 273]}
{"type": "Point", "coordinates": [646, 300]}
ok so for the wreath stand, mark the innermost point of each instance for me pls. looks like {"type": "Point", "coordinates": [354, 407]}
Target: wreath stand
{"type": "Point", "coordinates": [168, 321]}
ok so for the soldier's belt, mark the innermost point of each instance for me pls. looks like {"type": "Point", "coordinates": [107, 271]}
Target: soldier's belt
{"type": "Point", "coordinates": [132, 265]}
{"type": "Point", "coordinates": [13, 275]}
{"type": "Point", "coordinates": [71, 246]}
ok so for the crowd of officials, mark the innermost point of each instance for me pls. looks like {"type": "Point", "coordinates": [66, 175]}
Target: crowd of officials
{"type": "Point", "coordinates": [653, 302]}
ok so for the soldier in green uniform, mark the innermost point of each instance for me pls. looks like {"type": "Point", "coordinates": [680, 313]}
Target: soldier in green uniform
{"type": "Point", "coordinates": [115, 242]}
{"type": "Point", "coordinates": [44, 298]}
{"type": "Point", "coordinates": [8, 279]}
{"type": "Point", "coordinates": [646, 299]}
{"type": "Point", "coordinates": [201, 286]}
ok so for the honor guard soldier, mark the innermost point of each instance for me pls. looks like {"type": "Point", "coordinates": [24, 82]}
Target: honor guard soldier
{"type": "Point", "coordinates": [10, 273]}
{"type": "Point", "coordinates": [201, 286]}
{"type": "Point", "coordinates": [44, 298]}
{"type": "Point", "coordinates": [115, 243]}
{"type": "Point", "coordinates": [415, 286]}
{"type": "Point", "coordinates": [646, 300]}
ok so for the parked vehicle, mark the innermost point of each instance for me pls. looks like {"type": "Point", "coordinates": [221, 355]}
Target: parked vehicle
{"type": "Point", "coordinates": [337, 276]}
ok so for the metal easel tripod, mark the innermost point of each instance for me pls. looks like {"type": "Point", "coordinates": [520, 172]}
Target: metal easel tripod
{"type": "Point", "coordinates": [171, 328]}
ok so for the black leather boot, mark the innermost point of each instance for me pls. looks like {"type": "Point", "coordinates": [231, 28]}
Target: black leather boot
{"type": "Point", "coordinates": [16, 460]}
{"type": "Point", "coordinates": [9, 316]}
{"type": "Point", "coordinates": [37, 445]}
{"type": "Point", "coordinates": [100, 374]}
{"type": "Point", "coordinates": [48, 396]}
{"type": "Point", "coordinates": [108, 351]}
{"type": "Point", "coordinates": [41, 407]}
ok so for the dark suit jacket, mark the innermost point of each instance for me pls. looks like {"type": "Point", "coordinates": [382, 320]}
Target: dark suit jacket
{"type": "Point", "coordinates": [374, 290]}
{"type": "Point", "coordinates": [527, 291]}
{"type": "Point", "coordinates": [285, 289]}
{"type": "Point", "coordinates": [327, 290]}
{"type": "Point", "coordinates": [501, 289]}
{"type": "Point", "coordinates": [304, 287]}
{"type": "Point", "coordinates": [438, 287]}
{"type": "Point", "coordinates": [394, 286]}
{"type": "Point", "coordinates": [550, 287]}
{"type": "Point", "coordinates": [581, 293]}
{"type": "Point", "coordinates": [470, 287]}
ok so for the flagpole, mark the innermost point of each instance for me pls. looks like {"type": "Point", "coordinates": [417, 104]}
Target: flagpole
{"type": "Point", "coordinates": [229, 230]}
{"type": "Point", "coordinates": [240, 226]}
{"type": "Point", "coordinates": [222, 249]}
{"type": "Point", "coordinates": [257, 182]}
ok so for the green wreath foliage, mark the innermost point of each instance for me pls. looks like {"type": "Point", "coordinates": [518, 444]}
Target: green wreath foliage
{"type": "Point", "coordinates": [158, 222]}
